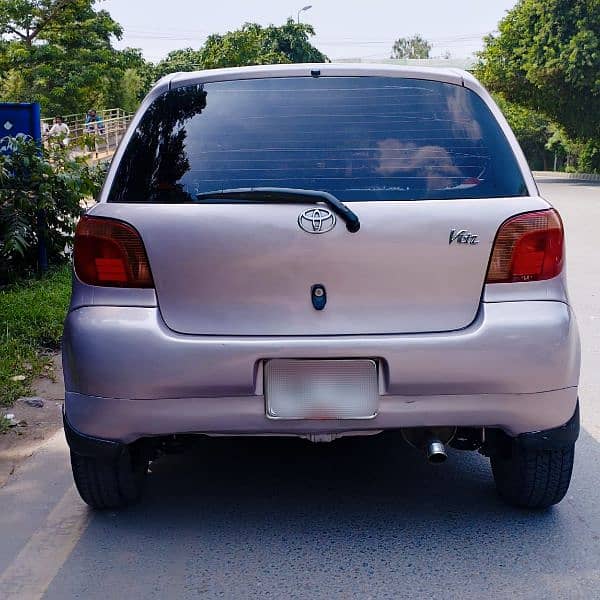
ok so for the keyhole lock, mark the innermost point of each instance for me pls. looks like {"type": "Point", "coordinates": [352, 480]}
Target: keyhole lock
{"type": "Point", "coordinates": [318, 295]}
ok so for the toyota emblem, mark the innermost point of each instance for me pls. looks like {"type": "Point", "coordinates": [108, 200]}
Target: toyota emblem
{"type": "Point", "coordinates": [316, 220]}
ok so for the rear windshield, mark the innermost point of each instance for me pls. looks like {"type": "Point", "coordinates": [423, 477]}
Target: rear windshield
{"type": "Point", "coordinates": [359, 138]}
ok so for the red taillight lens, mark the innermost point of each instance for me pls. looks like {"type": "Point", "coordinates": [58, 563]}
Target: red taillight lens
{"type": "Point", "coordinates": [528, 247]}
{"type": "Point", "coordinates": [110, 253]}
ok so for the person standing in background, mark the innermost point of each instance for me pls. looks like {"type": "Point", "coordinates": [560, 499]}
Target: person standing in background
{"type": "Point", "coordinates": [94, 122]}
{"type": "Point", "coordinates": [60, 130]}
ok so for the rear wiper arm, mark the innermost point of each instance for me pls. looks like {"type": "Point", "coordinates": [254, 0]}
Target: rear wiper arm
{"type": "Point", "coordinates": [288, 195]}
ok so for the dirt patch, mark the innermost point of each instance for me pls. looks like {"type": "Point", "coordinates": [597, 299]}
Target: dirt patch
{"type": "Point", "coordinates": [38, 423]}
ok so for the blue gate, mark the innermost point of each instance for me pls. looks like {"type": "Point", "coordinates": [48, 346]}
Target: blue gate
{"type": "Point", "coordinates": [19, 120]}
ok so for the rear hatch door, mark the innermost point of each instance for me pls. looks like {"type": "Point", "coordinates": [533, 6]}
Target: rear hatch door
{"type": "Point", "coordinates": [238, 269]}
{"type": "Point", "coordinates": [424, 164]}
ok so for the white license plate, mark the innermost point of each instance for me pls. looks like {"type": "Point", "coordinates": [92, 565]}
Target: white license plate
{"type": "Point", "coordinates": [321, 389]}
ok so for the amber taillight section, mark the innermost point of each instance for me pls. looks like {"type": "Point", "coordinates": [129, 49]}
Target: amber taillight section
{"type": "Point", "coordinates": [110, 253]}
{"type": "Point", "coordinates": [528, 247]}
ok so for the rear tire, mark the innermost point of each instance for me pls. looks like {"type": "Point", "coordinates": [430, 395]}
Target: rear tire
{"type": "Point", "coordinates": [109, 482]}
{"type": "Point", "coordinates": [533, 478]}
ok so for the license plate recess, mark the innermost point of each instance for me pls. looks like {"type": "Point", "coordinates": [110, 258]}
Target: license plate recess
{"type": "Point", "coordinates": [321, 389]}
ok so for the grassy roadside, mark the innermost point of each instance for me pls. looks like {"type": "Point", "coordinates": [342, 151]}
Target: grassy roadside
{"type": "Point", "coordinates": [31, 321]}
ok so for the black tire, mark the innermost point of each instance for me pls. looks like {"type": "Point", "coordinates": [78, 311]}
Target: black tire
{"type": "Point", "coordinates": [533, 478]}
{"type": "Point", "coordinates": [109, 483]}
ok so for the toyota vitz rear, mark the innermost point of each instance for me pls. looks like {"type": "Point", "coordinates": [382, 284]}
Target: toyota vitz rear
{"type": "Point", "coordinates": [321, 251]}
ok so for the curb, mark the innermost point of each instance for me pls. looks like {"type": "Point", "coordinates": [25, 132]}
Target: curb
{"type": "Point", "coordinates": [561, 175]}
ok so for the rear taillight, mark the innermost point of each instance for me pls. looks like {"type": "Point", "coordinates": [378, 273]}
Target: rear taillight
{"type": "Point", "coordinates": [528, 247]}
{"type": "Point", "coordinates": [110, 253]}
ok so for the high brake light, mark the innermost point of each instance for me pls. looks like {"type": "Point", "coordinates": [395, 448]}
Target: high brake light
{"type": "Point", "coordinates": [110, 253]}
{"type": "Point", "coordinates": [528, 247]}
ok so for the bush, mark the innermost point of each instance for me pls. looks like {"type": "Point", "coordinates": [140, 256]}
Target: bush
{"type": "Point", "coordinates": [531, 129]}
{"type": "Point", "coordinates": [589, 159]}
{"type": "Point", "coordinates": [41, 193]}
{"type": "Point", "coordinates": [574, 156]}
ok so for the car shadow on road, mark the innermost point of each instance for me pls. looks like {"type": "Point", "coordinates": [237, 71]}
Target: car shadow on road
{"type": "Point", "coordinates": [281, 479]}
{"type": "Point", "coordinates": [357, 518]}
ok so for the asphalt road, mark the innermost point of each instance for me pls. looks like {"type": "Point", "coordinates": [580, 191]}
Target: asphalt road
{"type": "Point", "coordinates": [355, 519]}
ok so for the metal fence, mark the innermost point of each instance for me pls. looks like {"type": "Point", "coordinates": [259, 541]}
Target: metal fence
{"type": "Point", "coordinates": [96, 139]}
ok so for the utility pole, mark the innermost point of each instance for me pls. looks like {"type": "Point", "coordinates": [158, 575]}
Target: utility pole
{"type": "Point", "coordinates": [305, 8]}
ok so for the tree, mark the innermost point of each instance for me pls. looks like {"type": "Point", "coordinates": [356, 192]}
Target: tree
{"type": "Point", "coordinates": [565, 150]}
{"type": "Point", "coordinates": [60, 53]}
{"type": "Point", "coordinates": [186, 59]}
{"type": "Point", "coordinates": [256, 45]}
{"type": "Point", "coordinates": [413, 47]}
{"type": "Point", "coordinates": [547, 57]}
{"type": "Point", "coordinates": [532, 129]}
{"type": "Point", "coordinates": [41, 189]}
{"type": "Point", "coordinates": [28, 20]}
{"type": "Point", "coordinates": [128, 90]}
{"type": "Point", "coordinates": [133, 77]}
{"type": "Point", "coordinates": [292, 41]}
{"type": "Point", "coordinates": [252, 44]}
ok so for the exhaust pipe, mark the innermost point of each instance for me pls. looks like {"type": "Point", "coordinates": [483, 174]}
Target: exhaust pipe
{"type": "Point", "coordinates": [431, 441]}
{"type": "Point", "coordinates": [436, 452]}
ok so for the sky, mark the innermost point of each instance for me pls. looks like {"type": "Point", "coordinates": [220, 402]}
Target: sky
{"type": "Point", "coordinates": [344, 28]}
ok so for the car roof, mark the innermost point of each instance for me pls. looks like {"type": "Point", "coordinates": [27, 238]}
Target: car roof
{"type": "Point", "coordinates": [446, 75]}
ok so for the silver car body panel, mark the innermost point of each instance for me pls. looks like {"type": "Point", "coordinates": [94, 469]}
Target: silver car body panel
{"type": "Point", "coordinates": [129, 420]}
{"type": "Point", "coordinates": [450, 350]}
{"type": "Point", "coordinates": [516, 366]}
{"type": "Point", "coordinates": [511, 347]}
{"type": "Point", "coordinates": [248, 269]}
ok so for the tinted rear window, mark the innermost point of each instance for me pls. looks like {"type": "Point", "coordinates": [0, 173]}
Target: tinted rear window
{"type": "Point", "coordinates": [359, 138]}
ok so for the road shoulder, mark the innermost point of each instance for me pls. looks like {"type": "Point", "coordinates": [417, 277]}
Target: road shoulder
{"type": "Point", "coordinates": [39, 423]}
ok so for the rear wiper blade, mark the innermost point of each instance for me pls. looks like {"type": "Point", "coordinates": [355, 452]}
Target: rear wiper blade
{"type": "Point", "coordinates": [288, 195]}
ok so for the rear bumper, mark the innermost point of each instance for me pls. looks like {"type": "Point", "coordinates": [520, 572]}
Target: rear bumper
{"type": "Point", "coordinates": [556, 437]}
{"type": "Point", "coordinates": [128, 376]}
{"type": "Point", "coordinates": [129, 420]}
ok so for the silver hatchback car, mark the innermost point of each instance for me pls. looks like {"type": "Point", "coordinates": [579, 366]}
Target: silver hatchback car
{"type": "Point", "coordinates": [321, 251]}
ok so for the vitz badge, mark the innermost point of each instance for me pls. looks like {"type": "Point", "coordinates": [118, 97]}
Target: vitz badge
{"type": "Point", "coordinates": [463, 236]}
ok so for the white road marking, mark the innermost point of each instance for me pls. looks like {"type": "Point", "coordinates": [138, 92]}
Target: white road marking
{"type": "Point", "coordinates": [34, 568]}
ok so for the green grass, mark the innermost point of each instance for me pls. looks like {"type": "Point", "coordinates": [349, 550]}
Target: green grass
{"type": "Point", "coordinates": [31, 321]}
{"type": "Point", "coordinates": [4, 424]}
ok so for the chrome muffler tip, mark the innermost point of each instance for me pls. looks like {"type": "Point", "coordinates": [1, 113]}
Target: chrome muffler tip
{"type": "Point", "coordinates": [436, 452]}
{"type": "Point", "coordinates": [430, 440]}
